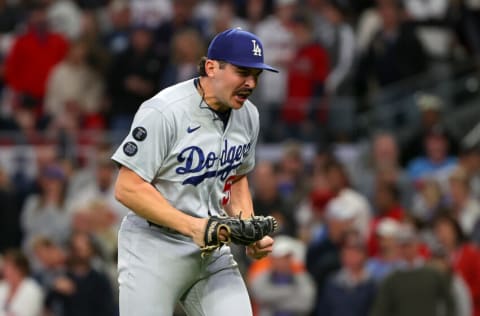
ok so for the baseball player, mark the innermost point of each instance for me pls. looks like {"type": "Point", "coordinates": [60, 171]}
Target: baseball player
{"type": "Point", "coordinates": [184, 162]}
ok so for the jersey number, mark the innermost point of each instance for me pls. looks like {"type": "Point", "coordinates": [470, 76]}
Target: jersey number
{"type": "Point", "coordinates": [227, 189]}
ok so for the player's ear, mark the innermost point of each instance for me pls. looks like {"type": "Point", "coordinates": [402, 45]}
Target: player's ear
{"type": "Point", "coordinates": [209, 67]}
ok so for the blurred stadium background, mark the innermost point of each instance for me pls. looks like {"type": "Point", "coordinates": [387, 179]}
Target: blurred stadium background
{"type": "Point", "coordinates": [369, 152]}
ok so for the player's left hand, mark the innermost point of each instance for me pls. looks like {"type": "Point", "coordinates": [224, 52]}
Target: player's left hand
{"type": "Point", "coordinates": [261, 248]}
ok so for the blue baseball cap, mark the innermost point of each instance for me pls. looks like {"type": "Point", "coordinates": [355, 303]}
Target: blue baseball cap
{"type": "Point", "coordinates": [239, 48]}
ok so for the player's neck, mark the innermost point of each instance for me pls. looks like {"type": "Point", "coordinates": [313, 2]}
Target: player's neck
{"type": "Point", "coordinates": [205, 90]}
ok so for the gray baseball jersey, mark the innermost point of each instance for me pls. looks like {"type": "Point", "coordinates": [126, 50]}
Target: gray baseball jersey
{"type": "Point", "coordinates": [180, 146]}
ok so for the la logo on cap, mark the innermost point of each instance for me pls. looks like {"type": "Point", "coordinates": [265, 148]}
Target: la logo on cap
{"type": "Point", "coordinates": [257, 51]}
{"type": "Point", "coordinates": [232, 46]}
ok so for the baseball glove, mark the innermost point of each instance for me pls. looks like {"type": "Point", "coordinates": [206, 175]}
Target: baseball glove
{"type": "Point", "coordinates": [239, 231]}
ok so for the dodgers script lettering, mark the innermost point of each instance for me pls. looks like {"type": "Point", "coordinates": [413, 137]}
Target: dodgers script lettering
{"type": "Point", "coordinates": [195, 161]}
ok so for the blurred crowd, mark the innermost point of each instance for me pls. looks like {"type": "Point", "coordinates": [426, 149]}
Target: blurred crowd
{"type": "Point", "coordinates": [383, 223]}
{"type": "Point", "coordinates": [368, 236]}
{"type": "Point", "coordinates": [84, 66]}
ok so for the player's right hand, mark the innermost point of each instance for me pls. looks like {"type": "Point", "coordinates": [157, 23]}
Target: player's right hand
{"type": "Point", "coordinates": [198, 232]}
{"type": "Point", "coordinates": [261, 248]}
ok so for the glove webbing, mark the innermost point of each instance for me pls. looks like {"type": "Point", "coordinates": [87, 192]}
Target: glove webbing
{"type": "Point", "coordinates": [217, 243]}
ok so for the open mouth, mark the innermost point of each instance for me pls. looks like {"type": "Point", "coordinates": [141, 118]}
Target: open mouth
{"type": "Point", "coordinates": [243, 95]}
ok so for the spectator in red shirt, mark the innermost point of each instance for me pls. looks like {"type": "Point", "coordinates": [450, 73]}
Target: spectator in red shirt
{"type": "Point", "coordinates": [306, 78]}
{"type": "Point", "coordinates": [31, 58]}
{"type": "Point", "coordinates": [464, 256]}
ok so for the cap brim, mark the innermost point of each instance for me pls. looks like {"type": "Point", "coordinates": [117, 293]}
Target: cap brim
{"type": "Point", "coordinates": [254, 65]}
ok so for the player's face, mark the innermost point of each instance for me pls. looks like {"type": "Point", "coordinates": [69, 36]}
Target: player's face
{"type": "Point", "coordinates": [233, 85]}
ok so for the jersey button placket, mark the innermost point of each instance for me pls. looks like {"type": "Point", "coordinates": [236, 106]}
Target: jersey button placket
{"type": "Point", "coordinates": [223, 133]}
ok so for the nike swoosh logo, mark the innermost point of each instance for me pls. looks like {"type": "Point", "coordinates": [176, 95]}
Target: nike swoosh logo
{"type": "Point", "coordinates": [191, 130]}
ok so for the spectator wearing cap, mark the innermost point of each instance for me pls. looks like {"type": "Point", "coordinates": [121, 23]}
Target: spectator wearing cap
{"type": "Point", "coordinates": [282, 286]}
{"type": "Point", "coordinates": [463, 255]}
{"type": "Point", "coordinates": [65, 17]}
{"type": "Point", "coordinates": [347, 198]}
{"type": "Point", "coordinates": [431, 112]}
{"type": "Point", "coordinates": [387, 257]}
{"type": "Point", "coordinates": [414, 288]}
{"type": "Point", "coordinates": [323, 252]}
{"type": "Point", "coordinates": [45, 214]}
{"type": "Point", "coordinates": [350, 291]}
{"type": "Point", "coordinates": [19, 294]}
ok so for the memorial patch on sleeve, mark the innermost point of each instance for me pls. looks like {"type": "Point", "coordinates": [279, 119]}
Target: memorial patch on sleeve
{"type": "Point", "coordinates": [130, 149]}
{"type": "Point", "coordinates": [139, 133]}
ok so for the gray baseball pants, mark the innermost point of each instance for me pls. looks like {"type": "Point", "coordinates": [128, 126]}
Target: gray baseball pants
{"type": "Point", "coordinates": [158, 268]}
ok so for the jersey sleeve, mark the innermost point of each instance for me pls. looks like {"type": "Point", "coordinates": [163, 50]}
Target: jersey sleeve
{"type": "Point", "coordinates": [146, 146]}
